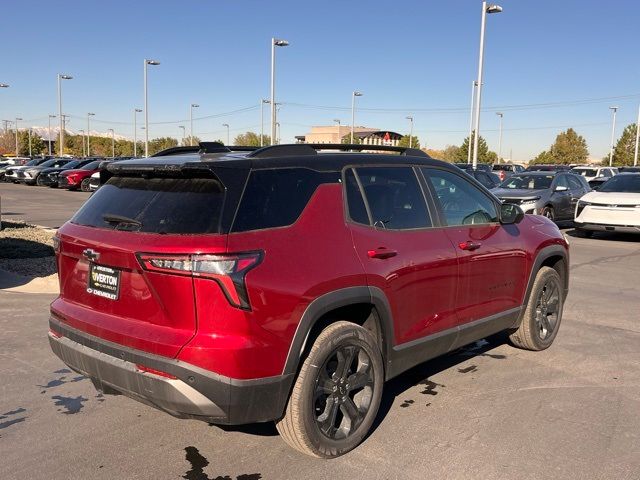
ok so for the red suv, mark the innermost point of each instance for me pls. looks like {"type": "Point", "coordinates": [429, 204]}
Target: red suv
{"type": "Point", "coordinates": [289, 283]}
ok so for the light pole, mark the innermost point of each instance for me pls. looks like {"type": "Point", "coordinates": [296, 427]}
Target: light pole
{"type": "Point", "coordinates": [17, 149]}
{"type": "Point", "coordinates": [500, 114]}
{"type": "Point", "coordinates": [635, 154]}
{"type": "Point", "coordinates": [89, 115]}
{"type": "Point", "coordinates": [474, 84]}
{"type": "Point", "coordinates": [181, 127]}
{"type": "Point", "coordinates": [262, 102]}
{"type": "Point", "coordinates": [613, 132]}
{"type": "Point", "coordinates": [30, 154]}
{"type": "Point", "coordinates": [113, 143]}
{"type": "Point", "coordinates": [410, 118]}
{"type": "Point", "coordinates": [60, 78]}
{"type": "Point", "coordinates": [353, 110]}
{"type": "Point", "coordinates": [50, 117]}
{"type": "Point", "coordinates": [476, 135]}
{"type": "Point", "coordinates": [83, 140]}
{"type": "Point", "coordinates": [136, 111]}
{"type": "Point", "coordinates": [193, 105]}
{"type": "Point", "coordinates": [278, 131]}
{"type": "Point", "coordinates": [337, 121]}
{"type": "Point", "coordinates": [227, 125]}
{"type": "Point", "coordinates": [274, 43]}
{"type": "Point", "coordinates": [146, 106]}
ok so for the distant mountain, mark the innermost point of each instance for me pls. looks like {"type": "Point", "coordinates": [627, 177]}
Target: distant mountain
{"type": "Point", "coordinates": [43, 132]}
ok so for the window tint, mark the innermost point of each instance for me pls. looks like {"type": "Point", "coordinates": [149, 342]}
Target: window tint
{"type": "Point", "coordinates": [607, 173]}
{"type": "Point", "coordinates": [460, 201]}
{"type": "Point", "coordinates": [395, 198]}
{"type": "Point", "coordinates": [277, 197]}
{"type": "Point", "coordinates": [357, 209]}
{"type": "Point", "coordinates": [574, 183]}
{"type": "Point", "coordinates": [160, 205]}
{"type": "Point", "coordinates": [484, 179]}
{"type": "Point", "coordinates": [561, 181]}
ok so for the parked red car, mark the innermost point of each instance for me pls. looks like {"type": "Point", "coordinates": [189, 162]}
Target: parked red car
{"type": "Point", "coordinates": [288, 284]}
{"type": "Point", "coordinates": [72, 179]}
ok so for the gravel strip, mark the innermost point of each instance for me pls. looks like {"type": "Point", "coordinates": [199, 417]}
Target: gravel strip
{"type": "Point", "coordinates": [26, 250]}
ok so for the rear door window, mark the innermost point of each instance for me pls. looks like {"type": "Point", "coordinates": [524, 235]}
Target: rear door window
{"type": "Point", "coordinates": [574, 183]}
{"type": "Point", "coordinates": [155, 205]}
{"type": "Point", "coordinates": [394, 197]}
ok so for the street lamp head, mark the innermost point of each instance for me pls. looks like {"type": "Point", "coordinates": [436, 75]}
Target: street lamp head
{"type": "Point", "coordinates": [90, 114]}
{"type": "Point", "coordinates": [194, 105]}
{"type": "Point", "coordinates": [266, 101]}
{"type": "Point", "coordinates": [357, 94]}
{"type": "Point", "coordinates": [225, 125]}
{"type": "Point", "coordinates": [181, 126]}
{"type": "Point", "coordinates": [494, 9]}
{"type": "Point", "coordinates": [280, 43]}
{"type": "Point", "coordinates": [410, 118]}
{"type": "Point", "coordinates": [152, 62]}
{"type": "Point", "coordinates": [66, 77]}
{"type": "Point", "coordinates": [500, 114]}
{"type": "Point", "coordinates": [18, 119]}
{"type": "Point", "coordinates": [137, 110]}
{"type": "Point", "coordinates": [4, 85]}
{"type": "Point", "coordinates": [52, 116]}
{"type": "Point", "coordinates": [613, 108]}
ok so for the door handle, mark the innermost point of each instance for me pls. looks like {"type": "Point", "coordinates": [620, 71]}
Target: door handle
{"type": "Point", "coordinates": [382, 253]}
{"type": "Point", "coordinates": [469, 245]}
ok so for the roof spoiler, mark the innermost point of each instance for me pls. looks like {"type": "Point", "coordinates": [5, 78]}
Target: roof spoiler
{"type": "Point", "coordinates": [295, 149]}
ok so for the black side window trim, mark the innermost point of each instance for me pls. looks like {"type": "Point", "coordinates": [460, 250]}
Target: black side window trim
{"type": "Point", "coordinates": [434, 215]}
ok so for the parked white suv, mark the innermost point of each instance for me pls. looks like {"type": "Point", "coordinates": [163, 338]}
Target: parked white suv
{"type": "Point", "coordinates": [591, 173]}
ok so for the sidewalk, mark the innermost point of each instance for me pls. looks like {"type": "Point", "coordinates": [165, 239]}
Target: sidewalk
{"type": "Point", "coordinates": [12, 282]}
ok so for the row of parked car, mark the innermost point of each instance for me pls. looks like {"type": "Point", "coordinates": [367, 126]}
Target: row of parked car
{"type": "Point", "coordinates": [595, 198]}
{"type": "Point", "coordinates": [69, 173]}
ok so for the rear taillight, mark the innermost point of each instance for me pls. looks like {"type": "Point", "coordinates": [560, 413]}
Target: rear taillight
{"type": "Point", "coordinates": [56, 244]}
{"type": "Point", "coordinates": [227, 270]}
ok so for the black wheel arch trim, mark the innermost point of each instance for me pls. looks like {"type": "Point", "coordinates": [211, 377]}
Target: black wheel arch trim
{"type": "Point", "coordinates": [337, 299]}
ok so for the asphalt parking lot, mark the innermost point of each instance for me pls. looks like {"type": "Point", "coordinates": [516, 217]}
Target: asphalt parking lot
{"type": "Point", "coordinates": [488, 411]}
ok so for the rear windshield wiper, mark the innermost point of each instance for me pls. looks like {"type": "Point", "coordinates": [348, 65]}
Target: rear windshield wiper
{"type": "Point", "coordinates": [113, 218]}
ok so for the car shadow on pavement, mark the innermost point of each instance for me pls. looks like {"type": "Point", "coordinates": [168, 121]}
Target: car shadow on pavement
{"type": "Point", "coordinates": [420, 374]}
{"type": "Point", "coordinates": [613, 236]}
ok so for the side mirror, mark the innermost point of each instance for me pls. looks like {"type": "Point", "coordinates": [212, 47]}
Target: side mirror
{"type": "Point", "coordinates": [510, 214]}
{"type": "Point", "coordinates": [561, 188]}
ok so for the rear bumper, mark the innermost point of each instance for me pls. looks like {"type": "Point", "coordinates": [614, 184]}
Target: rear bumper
{"type": "Point", "coordinates": [193, 393]}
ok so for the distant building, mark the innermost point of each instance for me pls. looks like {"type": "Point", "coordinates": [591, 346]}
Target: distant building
{"type": "Point", "coordinates": [335, 134]}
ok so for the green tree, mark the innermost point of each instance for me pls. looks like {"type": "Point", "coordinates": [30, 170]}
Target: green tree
{"type": "Point", "coordinates": [188, 139]}
{"type": "Point", "coordinates": [158, 144]}
{"type": "Point", "coordinates": [404, 141]}
{"type": "Point", "coordinates": [347, 139]}
{"type": "Point", "coordinates": [543, 158]}
{"type": "Point", "coordinates": [450, 153]}
{"type": "Point", "coordinates": [37, 145]}
{"type": "Point", "coordinates": [568, 148]}
{"type": "Point", "coordinates": [624, 150]}
{"type": "Point", "coordinates": [484, 154]}
{"type": "Point", "coordinates": [251, 139]}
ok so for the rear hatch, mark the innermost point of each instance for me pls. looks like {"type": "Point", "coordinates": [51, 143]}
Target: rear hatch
{"type": "Point", "coordinates": [106, 288]}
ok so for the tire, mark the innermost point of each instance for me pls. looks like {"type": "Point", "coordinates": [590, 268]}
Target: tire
{"type": "Point", "coordinates": [84, 185]}
{"type": "Point", "coordinates": [542, 317]}
{"type": "Point", "coordinates": [549, 212]}
{"type": "Point", "coordinates": [302, 426]}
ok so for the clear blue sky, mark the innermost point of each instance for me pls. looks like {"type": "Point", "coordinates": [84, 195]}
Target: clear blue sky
{"type": "Point", "coordinates": [405, 56]}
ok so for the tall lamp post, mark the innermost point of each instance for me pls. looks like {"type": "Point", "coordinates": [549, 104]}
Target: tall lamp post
{"type": "Point", "coordinates": [410, 118]}
{"type": "Point", "coordinates": [274, 43]}
{"type": "Point", "coordinates": [227, 125]}
{"type": "Point", "coordinates": [354, 94]}
{"type": "Point", "coordinates": [60, 78]}
{"type": "Point", "coordinates": [262, 102]}
{"type": "Point", "coordinates": [500, 114]}
{"type": "Point", "coordinates": [30, 154]}
{"type": "Point", "coordinates": [83, 142]}
{"type": "Point", "coordinates": [181, 127]}
{"type": "Point", "coordinates": [474, 84]}
{"type": "Point", "coordinates": [193, 105]}
{"type": "Point", "coordinates": [278, 131]}
{"type": "Point", "coordinates": [50, 117]}
{"type": "Point", "coordinates": [146, 106]}
{"type": "Point", "coordinates": [17, 149]}
{"type": "Point", "coordinates": [613, 133]}
{"type": "Point", "coordinates": [337, 122]}
{"type": "Point", "coordinates": [485, 10]}
{"type": "Point", "coordinates": [89, 115]}
{"type": "Point", "coordinates": [635, 154]}
{"type": "Point", "coordinates": [113, 143]}
{"type": "Point", "coordinates": [136, 111]}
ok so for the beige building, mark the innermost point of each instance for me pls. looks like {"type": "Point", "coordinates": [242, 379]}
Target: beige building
{"type": "Point", "coordinates": [335, 133]}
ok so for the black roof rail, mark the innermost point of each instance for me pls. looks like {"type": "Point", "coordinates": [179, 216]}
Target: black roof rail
{"type": "Point", "coordinates": [312, 149]}
{"type": "Point", "coordinates": [203, 147]}
{"type": "Point", "coordinates": [176, 151]}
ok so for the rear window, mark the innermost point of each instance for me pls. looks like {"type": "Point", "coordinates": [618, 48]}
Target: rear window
{"type": "Point", "coordinates": [277, 197]}
{"type": "Point", "coordinates": [156, 205]}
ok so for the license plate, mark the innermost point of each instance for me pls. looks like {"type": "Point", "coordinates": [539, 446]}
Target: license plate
{"type": "Point", "coordinates": [104, 281]}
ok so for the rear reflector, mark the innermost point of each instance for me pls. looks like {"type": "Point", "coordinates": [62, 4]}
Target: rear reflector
{"type": "Point", "coordinates": [55, 334]}
{"type": "Point", "coordinates": [227, 270]}
{"type": "Point", "coordinates": [142, 368]}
